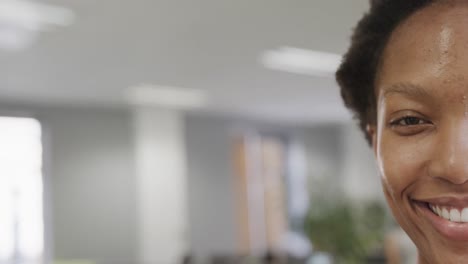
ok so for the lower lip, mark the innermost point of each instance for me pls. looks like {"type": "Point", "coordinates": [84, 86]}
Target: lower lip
{"type": "Point", "coordinates": [451, 230]}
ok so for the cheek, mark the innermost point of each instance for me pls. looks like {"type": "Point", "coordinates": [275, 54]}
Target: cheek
{"type": "Point", "coordinates": [401, 163]}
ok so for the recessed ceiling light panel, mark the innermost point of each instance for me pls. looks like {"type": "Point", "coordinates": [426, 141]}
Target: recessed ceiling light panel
{"type": "Point", "coordinates": [165, 96]}
{"type": "Point", "coordinates": [21, 21]}
{"type": "Point", "coordinates": [301, 61]}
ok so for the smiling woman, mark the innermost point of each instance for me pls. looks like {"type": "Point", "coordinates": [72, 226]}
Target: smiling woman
{"type": "Point", "coordinates": [406, 79]}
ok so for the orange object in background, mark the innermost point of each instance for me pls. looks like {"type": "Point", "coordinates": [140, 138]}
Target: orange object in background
{"type": "Point", "coordinates": [260, 194]}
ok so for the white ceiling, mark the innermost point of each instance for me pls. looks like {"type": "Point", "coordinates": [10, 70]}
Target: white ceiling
{"type": "Point", "coordinates": [212, 45]}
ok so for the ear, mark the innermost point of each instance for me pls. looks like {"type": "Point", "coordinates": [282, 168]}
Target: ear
{"type": "Point", "coordinates": [371, 131]}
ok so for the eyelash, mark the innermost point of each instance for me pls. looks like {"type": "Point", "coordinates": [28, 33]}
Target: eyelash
{"type": "Point", "coordinates": [408, 120]}
{"type": "Point", "coordinates": [410, 125]}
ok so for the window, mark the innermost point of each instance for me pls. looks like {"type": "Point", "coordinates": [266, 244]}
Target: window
{"type": "Point", "coordinates": [21, 191]}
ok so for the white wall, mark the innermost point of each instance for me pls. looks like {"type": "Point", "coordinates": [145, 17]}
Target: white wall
{"type": "Point", "coordinates": [210, 178]}
{"type": "Point", "coordinates": [92, 183]}
{"type": "Point", "coordinates": [323, 146]}
{"type": "Point", "coordinates": [361, 180]}
{"type": "Point", "coordinates": [162, 185]}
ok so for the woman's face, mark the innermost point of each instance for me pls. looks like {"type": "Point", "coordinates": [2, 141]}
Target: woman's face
{"type": "Point", "coordinates": [421, 136]}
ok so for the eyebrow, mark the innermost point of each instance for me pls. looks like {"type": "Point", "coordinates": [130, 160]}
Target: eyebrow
{"type": "Point", "coordinates": [406, 89]}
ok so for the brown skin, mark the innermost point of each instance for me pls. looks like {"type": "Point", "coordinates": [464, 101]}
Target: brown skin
{"type": "Point", "coordinates": [392, 254]}
{"type": "Point", "coordinates": [424, 74]}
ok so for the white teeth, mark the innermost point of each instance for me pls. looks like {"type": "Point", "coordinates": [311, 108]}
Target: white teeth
{"type": "Point", "coordinates": [464, 215]}
{"type": "Point", "coordinates": [445, 214]}
{"type": "Point", "coordinates": [454, 215]}
{"type": "Point", "coordinates": [451, 214]}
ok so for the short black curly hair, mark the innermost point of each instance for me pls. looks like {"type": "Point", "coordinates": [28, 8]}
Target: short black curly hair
{"type": "Point", "coordinates": [357, 73]}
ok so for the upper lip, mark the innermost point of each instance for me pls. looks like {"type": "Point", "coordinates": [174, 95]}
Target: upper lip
{"type": "Point", "coordinates": [449, 201]}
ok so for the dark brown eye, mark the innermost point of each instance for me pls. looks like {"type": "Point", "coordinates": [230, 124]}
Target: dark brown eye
{"type": "Point", "coordinates": [410, 125]}
{"type": "Point", "coordinates": [408, 121]}
{"type": "Point", "coordinates": [411, 121]}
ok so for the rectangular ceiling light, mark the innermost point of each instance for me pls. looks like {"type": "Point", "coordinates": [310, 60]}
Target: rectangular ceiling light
{"type": "Point", "coordinates": [21, 21]}
{"type": "Point", "coordinates": [301, 61]}
{"type": "Point", "coordinates": [164, 96]}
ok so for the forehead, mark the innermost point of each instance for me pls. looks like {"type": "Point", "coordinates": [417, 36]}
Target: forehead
{"type": "Point", "coordinates": [429, 49]}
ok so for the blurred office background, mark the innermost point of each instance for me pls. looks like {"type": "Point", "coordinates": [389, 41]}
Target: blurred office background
{"type": "Point", "coordinates": [149, 131]}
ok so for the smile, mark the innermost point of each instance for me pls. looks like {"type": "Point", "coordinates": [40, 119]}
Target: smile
{"type": "Point", "coordinates": [450, 213]}
{"type": "Point", "coordinates": [446, 215]}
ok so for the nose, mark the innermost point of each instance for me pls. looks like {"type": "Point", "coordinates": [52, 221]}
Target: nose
{"type": "Point", "coordinates": [450, 158]}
